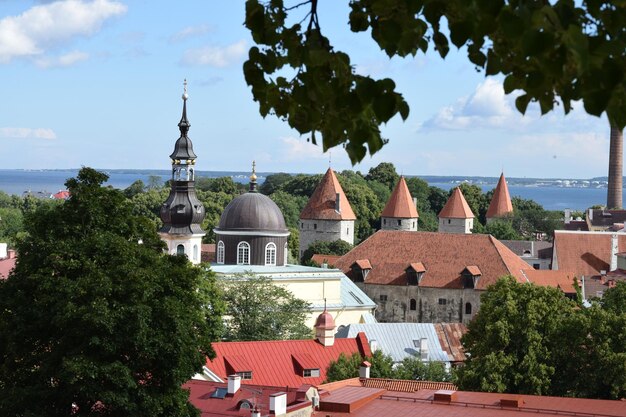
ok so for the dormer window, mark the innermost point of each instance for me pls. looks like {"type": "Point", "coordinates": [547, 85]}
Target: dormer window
{"type": "Point", "coordinates": [360, 270]}
{"type": "Point", "coordinates": [245, 375]}
{"type": "Point", "coordinates": [470, 276]}
{"type": "Point", "coordinates": [414, 273]}
{"type": "Point", "coordinates": [315, 372]}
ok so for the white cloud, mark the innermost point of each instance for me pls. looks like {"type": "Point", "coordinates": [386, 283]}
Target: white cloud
{"type": "Point", "coordinates": [585, 148]}
{"type": "Point", "coordinates": [189, 32]}
{"type": "Point", "coordinates": [64, 60]}
{"type": "Point", "coordinates": [215, 56]}
{"type": "Point", "coordinates": [295, 149]}
{"type": "Point", "coordinates": [487, 107]}
{"type": "Point", "coordinates": [27, 133]}
{"type": "Point", "coordinates": [41, 27]}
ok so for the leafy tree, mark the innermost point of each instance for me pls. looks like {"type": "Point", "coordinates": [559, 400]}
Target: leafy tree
{"type": "Point", "coordinates": [95, 323]}
{"type": "Point", "coordinates": [512, 341]}
{"type": "Point", "coordinates": [11, 224]}
{"type": "Point", "coordinates": [290, 205]}
{"type": "Point", "coordinates": [420, 191]}
{"type": "Point", "coordinates": [547, 50]}
{"type": "Point", "coordinates": [224, 185]}
{"type": "Point", "coordinates": [478, 202]}
{"type": "Point", "coordinates": [348, 366]}
{"type": "Point", "coordinates": [257, 309]}
{"type": "Point", "coordinates": [501, 229]}
{"type": "Point", "coordinates": [337, 247]}
{"type": "Point", "coordinates": [428, 221]}
{"type": "Point", "coordinates": [365, 204]}
{"type": "Point", "coordinates": [614, 299]}
{"type": "Point", "coordinates": [437, 198]}
{"type": "Point", "coordinates": [154, 182]}
{"type": "Point", "coordinates": [135, 188]}
{"type": "Point", "coordinates": [414, 369]}
{"type": "Point", "coordinates": [273, 182]}
{"type": "Point", "coordinates": [384, 173]}
{"type": "Point", "coordinates": [293, 244]}
{"type": "Point", "coordinates": [301, 185]}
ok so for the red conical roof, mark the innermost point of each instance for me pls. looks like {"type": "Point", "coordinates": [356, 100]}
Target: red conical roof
{"type": "Point", "coordinates": [501, 201]}
{"type": "Point", "coordinates": [321, 205]}
{"type": "Point", "coordinates": [456, 207]}
{"type": "Point", "coordinates": [400, 204]}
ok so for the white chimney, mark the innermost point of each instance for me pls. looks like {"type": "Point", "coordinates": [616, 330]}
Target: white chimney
{"type": "Point", "coordinates": [614, 250]}
{"type": "Point", "coordinates": [373, 345]}
{"type": "Point", "coordinates": [255, 412]}
{"type": "Point", "coordinates": [278, 403]}
{"type": "Point", "coordinates": [590, 214]}
{"type": "Point", "coordinates": [337, 203]}
{"type": "Point", "coordinates": [234, 383]}
{"type": "Point", "coordinates": [424, 349]}
{"type": "Point", "coordinates": [567, 215]}
{"type": "Point", "coordinates": [3, 250]}
{"type": "Point", "coordinates": [364, 369]}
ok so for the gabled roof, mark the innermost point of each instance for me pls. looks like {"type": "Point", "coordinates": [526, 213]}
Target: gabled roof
{"type": "Point", "coordinates": [563, 280]}
{"type": "Point", "coordinates": [321, 205]}
{"type": "Point", "coordinates": [585, 253]}
{"type": "Point", "coordinates": [456, 207]}
{"type": "Point", "coordinates": [474, 270]}
{"type": "Point", "coordinates": [446, 255]}
{"type": "Point", "coordinates": [418, 267]}
{"type": "Point", "coordinates": [319, 259]}
{"type": "Point", "coordinates": [277, 362]}
{"type": "Point", "coordinates": [363, 263]}
{"type": "Point", "coordinates": [397, 339]}
{"type": "Point", "coordinates": [400, 204]}
{"type": "Point", "coordinates": [501, 201]}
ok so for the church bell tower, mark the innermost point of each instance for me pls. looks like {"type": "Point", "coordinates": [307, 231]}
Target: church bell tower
{"type": "Point", "coordinates": [182, 213]}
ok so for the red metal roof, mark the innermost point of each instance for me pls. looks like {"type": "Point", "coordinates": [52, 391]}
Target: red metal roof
{"type": "Point", "coordinates": [400, 204]}
{"type": "Point", "coordinates": [6, 265]}
{"type": "Point", "coordinates": [456, 207]}
{"type": "Point", "coordinates": [272, 362]}
{"type": "Point", "coordinates": [501, 201]}
{"type": "Point", "coordinates": [390, 252]}
{"type": "Point", "coordinates": [321, 205]}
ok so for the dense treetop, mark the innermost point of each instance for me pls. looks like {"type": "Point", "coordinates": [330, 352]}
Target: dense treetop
{"type": "Point", "coordinates": [553, 52]}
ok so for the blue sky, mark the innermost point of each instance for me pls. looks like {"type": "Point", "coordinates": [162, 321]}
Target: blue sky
{"type": "Point", "coordinates": [98, 83]}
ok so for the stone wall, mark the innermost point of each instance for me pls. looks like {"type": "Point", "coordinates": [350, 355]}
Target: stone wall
{"type": "Point", "coordinates": [325, 231]}
{"type": "Point", "coordinates": [460, 226]}
{"type": "Point", "coordinates": [390, 223]}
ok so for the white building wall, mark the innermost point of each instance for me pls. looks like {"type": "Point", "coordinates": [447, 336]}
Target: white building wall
{"type": "Point", "coordinates": [391, 223]}
{"type": "Point", "coordinates": [459, 226]}
{"type": "Point", "coordinates": [325, 231]}
{"type": "Point", "coordinates": [191, 243]}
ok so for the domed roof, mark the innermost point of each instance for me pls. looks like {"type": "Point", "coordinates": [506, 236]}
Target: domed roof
{"type": "Point", "coordinates": [325, 321]}
{"type": "Point", "coordinates": [252, 212]}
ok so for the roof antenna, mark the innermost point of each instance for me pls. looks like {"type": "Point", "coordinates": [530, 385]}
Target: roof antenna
{"type": "Point", "coordinates": [324, 304]}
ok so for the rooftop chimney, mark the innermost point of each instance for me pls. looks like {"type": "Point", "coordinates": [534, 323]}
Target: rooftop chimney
{"type": "Point", "coordinates": [337, 203]}
{"type": "Point", "coordinates": [11, 253]}
{"type": "Point", "coordinates": [278, 403]}
{"type": "Point", "coordinates": [234, 383]}
{"type": "Point", "coordinates": [255, 412]}
{"type": "Point", "coordinates": [3, 250]}
{"type": "Point", "coordinates": [424, 349]}
{"type": "Point", "coordinates": [567, 215]}
{"type": "Point", "coordinates": [614, 250]}
{"type": "Point", "coordinates": [364, 369]}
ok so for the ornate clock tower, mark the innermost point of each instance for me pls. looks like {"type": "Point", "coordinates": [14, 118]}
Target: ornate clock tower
{"type": "Point", "coordinates": [182, 214]}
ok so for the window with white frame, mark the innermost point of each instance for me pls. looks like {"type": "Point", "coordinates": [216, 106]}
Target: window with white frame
{"type": "Point", "coordinates": [220, 252]}
{"type": "Point", "coordinates": [243, 253]}
{"type": "Point", "coordinates": [270, 254]}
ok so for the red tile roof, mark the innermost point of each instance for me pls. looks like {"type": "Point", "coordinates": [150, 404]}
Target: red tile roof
{"type": "Point", "coordinates": [402, 385]}
{"type": "Point", "coordinates": [449, 335]}
{"type": "Point", "coordinates": [207, 252]}
{"type": "Point", "coordinates": [501, 201]}
{"type": "Point", "coordinates": [418, 267]}
{"type": "Point", "coordinates": [200, 396]}
{"type": "Point", "coordinates": [400, 204]}
{"type": "Point", "coordinates": [319, 259]}
{"type": "Point", "coordinates": [474, 270]}
{"type": "Point", "coordinates": [61, 195]}
{"type": "Point", "coordinates": [273, 362]}
{"type": "Point", "coordinates": [363, 263]}
{"type": "Point", "coordinates": [443, 255]}
{"type": "Point", "coordinates": [563, 280]}
{"type": "Point", "coordinates": [6, 265]}
{"type": "Point", "coordinates": [363, 402]}
{"type": "Point", "coordinates": [456, 207]}
{"type": "Point", "coordinates": [585, 253]}
{"type": "Point", "coordinates": [321, 205]}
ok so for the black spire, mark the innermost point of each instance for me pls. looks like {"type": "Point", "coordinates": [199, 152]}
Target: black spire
{"type": "Point", "coordinates": [183, 149]}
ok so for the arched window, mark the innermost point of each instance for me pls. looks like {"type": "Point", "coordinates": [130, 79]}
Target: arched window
{"type": "Point", "coordinates": [468, 308]}
{"type": "Point", "coordinates": [413, 304]}
{"type": "Point", "coordinates": [195, 252]}
{"type": "Point", "coordinates": [243, 253]}
{"type": "Point", "coordinates": [285, 254]}
{"type": "Point", "coordinates": [220, 252]}
{"type": "Point", "coordinates": [180, 250]}
{"type": "Point", "coordinates": [270, 254]}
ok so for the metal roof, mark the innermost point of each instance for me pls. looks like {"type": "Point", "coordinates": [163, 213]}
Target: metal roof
{"type": "Point", "coordinates": [397, 339]}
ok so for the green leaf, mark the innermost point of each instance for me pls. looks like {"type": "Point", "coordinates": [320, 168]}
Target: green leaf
{"type": "Point", "coordinates": [384, 107]}
{"type": "Point", "coordinates": [521, 103]}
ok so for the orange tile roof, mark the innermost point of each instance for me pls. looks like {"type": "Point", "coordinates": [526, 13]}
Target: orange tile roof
{"type": "Point", "coordinates": [474, 270]}
{"type": "Point", "coordinates": [585, 253]}
{"type": "Point", "coordinates": [319, 259]}
{"type": "Point", "coordinates": [563, 280]}
{"type": "Point", "coordinates": [456, 207]}
{"type": "Point", "coordinates": [278, 362]}
{"type": "Point", "coordinates": [321, 205]}
{"type": "Point", "coordinates": [418, 267]}
{"type": "Point", "coordinates": [400, 204]}
{"type": "Point", "coordinates": [363, 263]}
{"type": "Point", "coordinates": [449, 335]}
{"type": "Point", "coordinates": [501, 201]}
{"type": "Point", "coordinates": [444, 255]}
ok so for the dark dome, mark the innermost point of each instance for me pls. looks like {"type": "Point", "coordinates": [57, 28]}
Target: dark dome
{"type": "Point", "coordinates": [252, 212]}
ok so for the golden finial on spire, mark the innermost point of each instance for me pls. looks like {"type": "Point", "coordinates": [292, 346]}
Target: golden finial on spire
{"type": "Point", "coordinates": [253, 176]}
